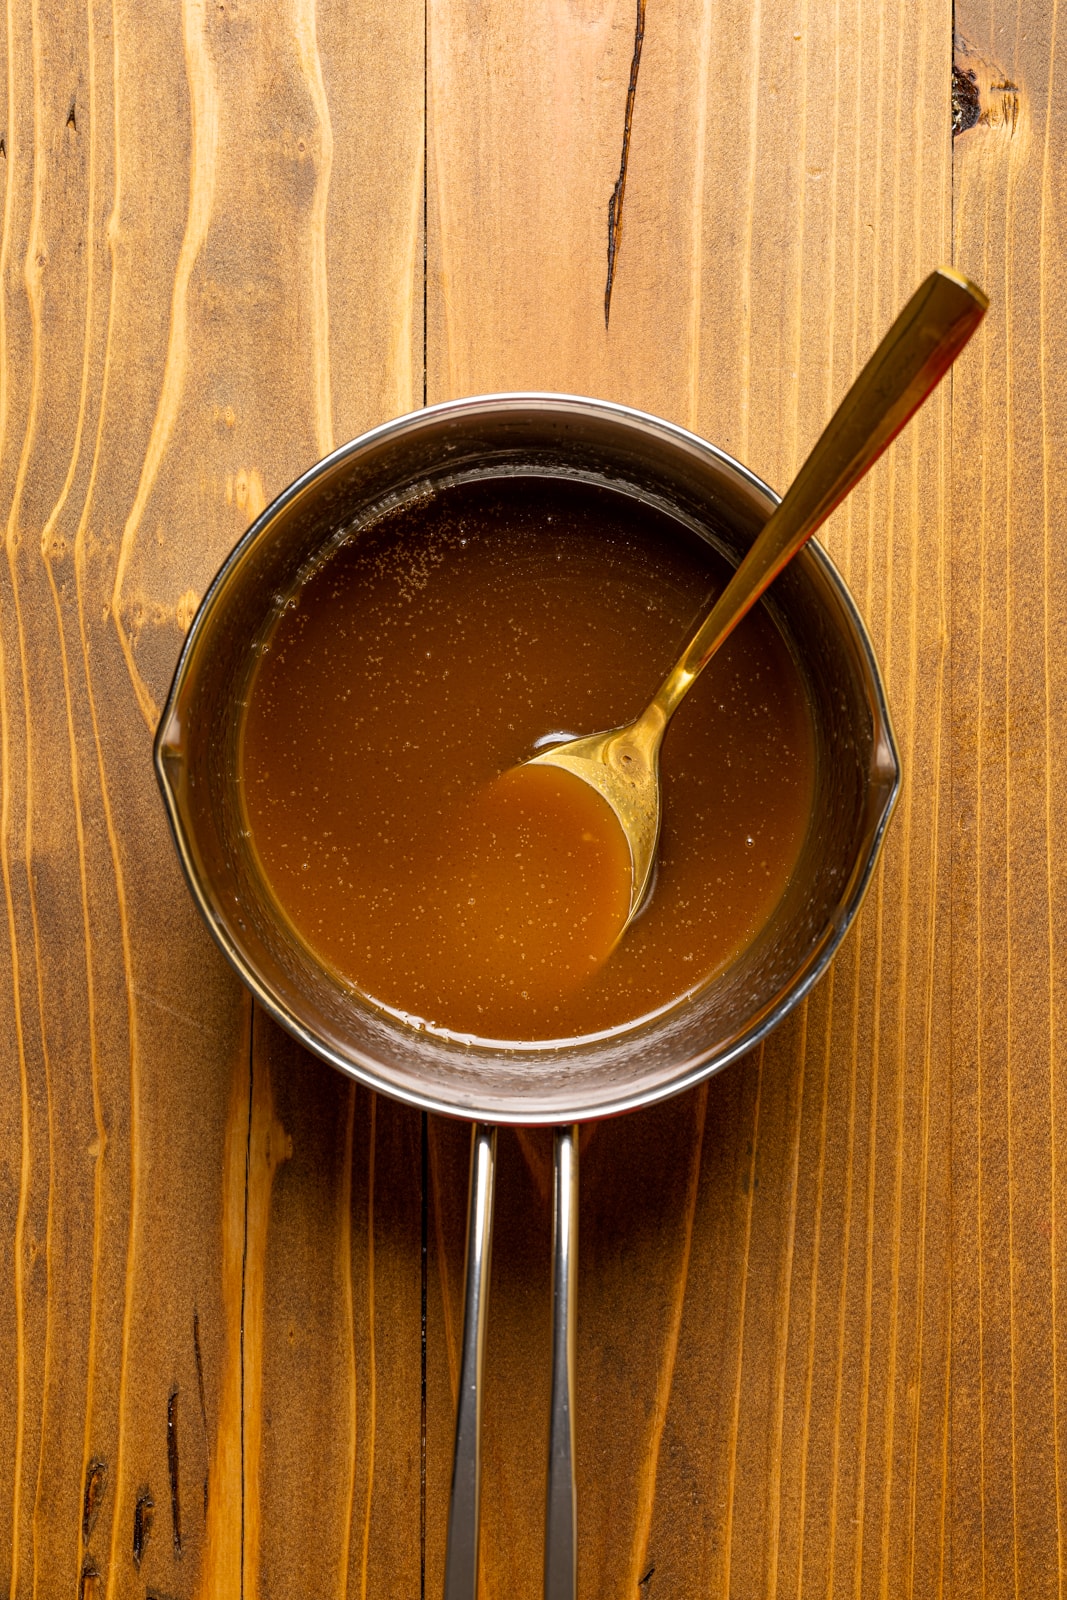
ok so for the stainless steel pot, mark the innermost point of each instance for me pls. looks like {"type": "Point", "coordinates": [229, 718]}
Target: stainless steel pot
{"type": "Point", "coordinates": [857, 778]}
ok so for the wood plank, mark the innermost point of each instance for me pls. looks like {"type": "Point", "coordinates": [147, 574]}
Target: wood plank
{"type": "Point", "coordinates": [1009, 607]}
{"type": "Point", "coordinates": [169, 234]}
{"type": "Point", "coordinates": [339, 1369]}
{"type": "Point", "coordinates": [763, 1402]}
{"type": "Point", "coordinates": [341, 1357]}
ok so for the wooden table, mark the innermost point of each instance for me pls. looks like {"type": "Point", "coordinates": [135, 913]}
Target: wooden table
{"type": "Point", "coordinates": [823, 1335]}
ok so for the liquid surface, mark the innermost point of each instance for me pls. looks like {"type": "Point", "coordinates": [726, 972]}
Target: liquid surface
{"type": "Point", "coordinates": [425, 659]}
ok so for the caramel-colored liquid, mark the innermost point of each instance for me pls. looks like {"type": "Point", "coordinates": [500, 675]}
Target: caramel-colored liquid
{"type": "Point", "coordinates": [419, 664]}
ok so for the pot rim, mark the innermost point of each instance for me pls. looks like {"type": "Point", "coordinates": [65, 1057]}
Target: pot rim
{"type": "Point", "coordinates": [361, 1065]}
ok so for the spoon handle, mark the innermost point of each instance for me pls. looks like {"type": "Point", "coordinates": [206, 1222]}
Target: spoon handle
{"type": "Point", "coordinates": [461, 1551]}
{"type": "Point", "coordinates": [911, 360]}
{"type": "Point", "coordinates": [561, 1520]}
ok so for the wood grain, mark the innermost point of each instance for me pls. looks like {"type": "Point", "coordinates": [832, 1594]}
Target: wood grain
{"type": "Point", "coordinates": [821, 1334]}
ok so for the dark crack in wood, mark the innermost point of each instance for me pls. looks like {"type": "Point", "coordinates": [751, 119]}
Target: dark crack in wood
{"type": "Point", "coordinates": [95, 1484]}
{"type": "Point", "coordinates": [966, 103]}
{"type": "Point", "coordinates": [619, 192]}
{"type": "Point", "coordinates": [72, 121]}
{"type": "Point", "coordinates": [89, 1583]}
{"type": "Point", "coordinates": [199, 1368]}
{"type": "Point", "coordinates": [172, 1469]}
{"type": "Point", "coordinates": [143, 1517]}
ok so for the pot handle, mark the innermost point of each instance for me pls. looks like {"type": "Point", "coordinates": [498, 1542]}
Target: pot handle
{"type": "Point", "coordinates": [461, 1551]}
{"type": "Point", "coordinates": [561, 1520]}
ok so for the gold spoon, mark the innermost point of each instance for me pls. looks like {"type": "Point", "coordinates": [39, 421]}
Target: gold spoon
{"type": "Point", "coordinates": [622, 765]}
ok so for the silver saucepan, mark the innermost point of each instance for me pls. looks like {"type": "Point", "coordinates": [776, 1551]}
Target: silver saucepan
{"type": "Point", "coordinates": [857, 776]}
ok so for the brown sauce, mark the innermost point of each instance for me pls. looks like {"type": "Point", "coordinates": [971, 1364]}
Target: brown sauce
{"type": "Point", "coordinates": [427, 657]}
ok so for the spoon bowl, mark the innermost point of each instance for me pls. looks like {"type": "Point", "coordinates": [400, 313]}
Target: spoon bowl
{"type": "Point", "coordinates": [622, 765]}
